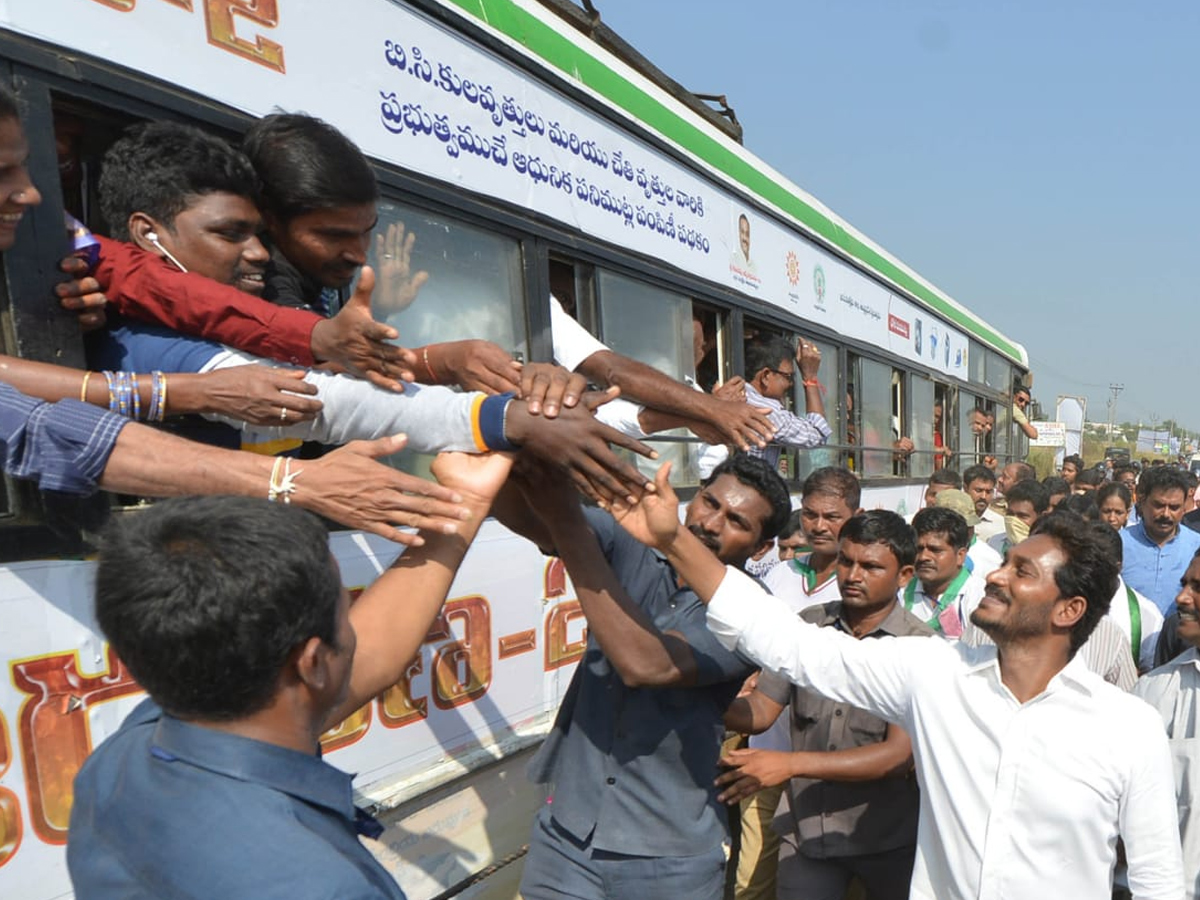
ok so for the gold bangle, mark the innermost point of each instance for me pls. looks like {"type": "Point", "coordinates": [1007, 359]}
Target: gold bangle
{"type": "Point", "coordinates": [83, 390]}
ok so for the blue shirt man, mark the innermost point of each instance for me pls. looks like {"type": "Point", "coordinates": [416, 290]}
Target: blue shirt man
{"type": "Point", "coordinates": [633, 755]}
{"type": "Point", "coordinates": [1157, 549]}
{"type": "Point", "coordinates": [169, 803]}
{"type": "Point", "coordinates": [230, 612]}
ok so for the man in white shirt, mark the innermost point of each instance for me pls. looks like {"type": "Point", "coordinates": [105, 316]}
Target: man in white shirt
{"type": "Point", "coordinates": [944, 589]}
{"type": "Point", "coordinates": [1030, 766]}
{"type": "Point", "coordinates": [979, 482]}
{"type": "Point", "coordinates": [1174, 690]}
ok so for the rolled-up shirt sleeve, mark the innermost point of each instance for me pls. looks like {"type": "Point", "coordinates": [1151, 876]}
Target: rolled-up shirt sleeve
{"type": "Point", "coordinates": [64, 446]}
{"type": "Point", "coordinates": [810, 430]}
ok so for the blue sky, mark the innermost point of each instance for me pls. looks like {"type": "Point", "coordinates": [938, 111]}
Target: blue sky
{"type": "Point", "coordinates": [1036, 160]}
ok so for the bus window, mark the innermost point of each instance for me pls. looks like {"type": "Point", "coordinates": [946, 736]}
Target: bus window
{"type": "Point", "coordinates": [976, 422]}
{"type": "Point", "coordinates": [945, 414]}
{"type": "Point", "coordinates": [646, 323]}
{"type": "Point", "coordinates": [475, 287]}
{"type": "Point", "coordinates": [921, 427]}
{"type": "Point", "coordinates": [875, 429]}
{"type": "Point", "coordinates": [82, 134]}
{"type": "Point", "coordinates": [573, 284]}
{"type": "Point", "coordinates": [654, 326]}
{"type": "Point", "coordinates": [830, 378]}
{"type": "Point", "coordinates": [710, 346]}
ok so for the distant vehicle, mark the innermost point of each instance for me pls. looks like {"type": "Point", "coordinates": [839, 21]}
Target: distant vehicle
{"type": "Point", "coordinates": [1119, 455]}
{"type": "Point", "coordinates": [1194, 464]}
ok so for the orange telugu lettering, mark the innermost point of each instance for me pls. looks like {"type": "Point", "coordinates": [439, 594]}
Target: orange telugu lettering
{"type": "Point", "coordinates": [55, 737]}
{"type": "Point", "coordinates": [10, 806]}
{"type": "Point", "coordinates": [219, 18]}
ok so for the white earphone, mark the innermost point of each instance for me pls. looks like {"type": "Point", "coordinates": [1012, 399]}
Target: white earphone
{"type": "Point", "coordinates": [152, 237]}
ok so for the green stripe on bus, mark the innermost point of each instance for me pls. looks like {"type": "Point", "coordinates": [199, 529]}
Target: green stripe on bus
{"type": "Point", "coordinates": [573, 61]}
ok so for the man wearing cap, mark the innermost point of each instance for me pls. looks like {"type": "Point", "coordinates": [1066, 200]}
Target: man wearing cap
{"type": "Point", "coordinates": [981, 559]}
{"type": "Point", "coordinates": [943, 586]}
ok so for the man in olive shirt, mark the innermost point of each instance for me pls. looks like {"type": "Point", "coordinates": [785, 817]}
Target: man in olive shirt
{"type": "Point", "coordinates": [852, 803]}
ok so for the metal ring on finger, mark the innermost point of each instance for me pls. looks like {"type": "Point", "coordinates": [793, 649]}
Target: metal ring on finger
{"type": "Point", "coordinates": [283, 414]}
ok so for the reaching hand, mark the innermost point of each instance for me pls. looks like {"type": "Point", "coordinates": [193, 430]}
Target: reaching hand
{"type": "Point", "coordinates": [475, 365]}
{"type": "Point", "coordinates": [359, 344]}
{"type": "Point", "coordinates": [82, 294]}
{"type": "Point", "coordinates": [546, 388]}
{"type": "Point", "coordinates": [478, 477]}
{"type": "Point", "coordinates": [654, 518]}
{"type": "Point", "coordinates": [398, 285]}
{"type": "Point", "coordinates": [741, 424]}
{"type": "Point", "coordinates": [751, 771]}
{"type": "Point", "coordinates": [808, 358]}
{"type": "Point", "coordinates": [350, 487]}
{"type": "Point", "coordinates": [577, 443]}
{"type": "Point", "coordinates": [734, 390]}
{"type": "Point", "coordinates": [260, 395]}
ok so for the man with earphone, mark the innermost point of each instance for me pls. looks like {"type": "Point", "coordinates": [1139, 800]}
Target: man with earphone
{"type": "Point", "coordinates": [187, 197]}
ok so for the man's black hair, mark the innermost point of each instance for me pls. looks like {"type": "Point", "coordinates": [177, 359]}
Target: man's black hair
{"type": "Point", "coordinates": [1031, 492]}
{"type": "Point", "coordinates": [1089, 570]}
{"type": "Point", "coordinates": [947, 477]}
{"type": "Point", "coordinates": [1083, 505]}
{"type": "Point", "coordinates": [1093, 477]}
{"type": "Point", "coordinates": [306, 164]}
{"type": "Point", "coordinates": [1076, 460]}
{"type": "Point", "coordinates": [979, 473]}
{"type": "Point", "coordinates": [767, 353]}
{"type": "Point", "coordinates": [1025, 472]}
{"type": "Point", "coordinates": [836, 482]}
{"type": "Point", "coordinates": [204, 598]}
{"type": "Point", "coordinates": [1056, 484]}
{"type": "Point", "coordinates": [159, 168]}
{"type": "Point", "coordinates": [1112, 543]}
{"type": "Point", "coordinates": [9, 108]}
{"type": "Point", "coordinates": [792, 527]}
{"type": "Point", "coordinates": [756, 473]}
{"type": "Point", "coordinates": [882, 526]}
{"type": "Point", "coordinates": [1161, 478]}
{"type": "Point", "coordinates": [940, 520]}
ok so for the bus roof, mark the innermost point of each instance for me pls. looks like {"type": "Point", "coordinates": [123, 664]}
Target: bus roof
{"type": "Point", "coordinates": [628, 85]}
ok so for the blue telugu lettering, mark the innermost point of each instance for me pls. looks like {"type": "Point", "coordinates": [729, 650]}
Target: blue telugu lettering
{"type": "Point", "coordinates": [398, 117]}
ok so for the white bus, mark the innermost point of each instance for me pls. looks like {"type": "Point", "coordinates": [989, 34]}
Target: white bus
{"type": "Point", "coordinates": [520, 144]}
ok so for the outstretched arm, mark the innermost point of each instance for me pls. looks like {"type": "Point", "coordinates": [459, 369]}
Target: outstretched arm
{"type": "Point", "coordinates": [144, 287]}
{"type": "Point", "coordinates": [393, 615]}
{"type": "Point", "coordinates": [641, 654]}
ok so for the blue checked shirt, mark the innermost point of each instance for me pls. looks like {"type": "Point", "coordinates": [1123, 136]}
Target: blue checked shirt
{"type": "Point", "coordinates": [64, 445]}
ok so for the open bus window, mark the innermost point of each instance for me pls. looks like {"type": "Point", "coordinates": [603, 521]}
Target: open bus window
{"type": "Point", "coordinates": [573, 284]}
{"type": "Point", "coordinates": [83, 132]}
{"type": "Point", "coordinates": [922, 426]}
{"type": "Point", "coordinates": [976, 423]}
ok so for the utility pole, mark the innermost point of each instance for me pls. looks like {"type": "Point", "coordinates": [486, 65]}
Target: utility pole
{"type": "Point", "coordinates": [1112, 407]}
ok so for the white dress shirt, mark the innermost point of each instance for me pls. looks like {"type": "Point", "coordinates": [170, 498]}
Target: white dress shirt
{"type": "Point", "coordinates": [984, 559]}
{"type": "Point", "coordinates": [1018, 800]}
{"type": "Point", "coordinates": [1174, 690]}
{"type": "Point", "coordinates": [1152, 622]}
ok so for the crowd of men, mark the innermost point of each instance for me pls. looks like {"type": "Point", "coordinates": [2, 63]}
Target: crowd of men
{"type": "Point", "coordinates": [936, 708]}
